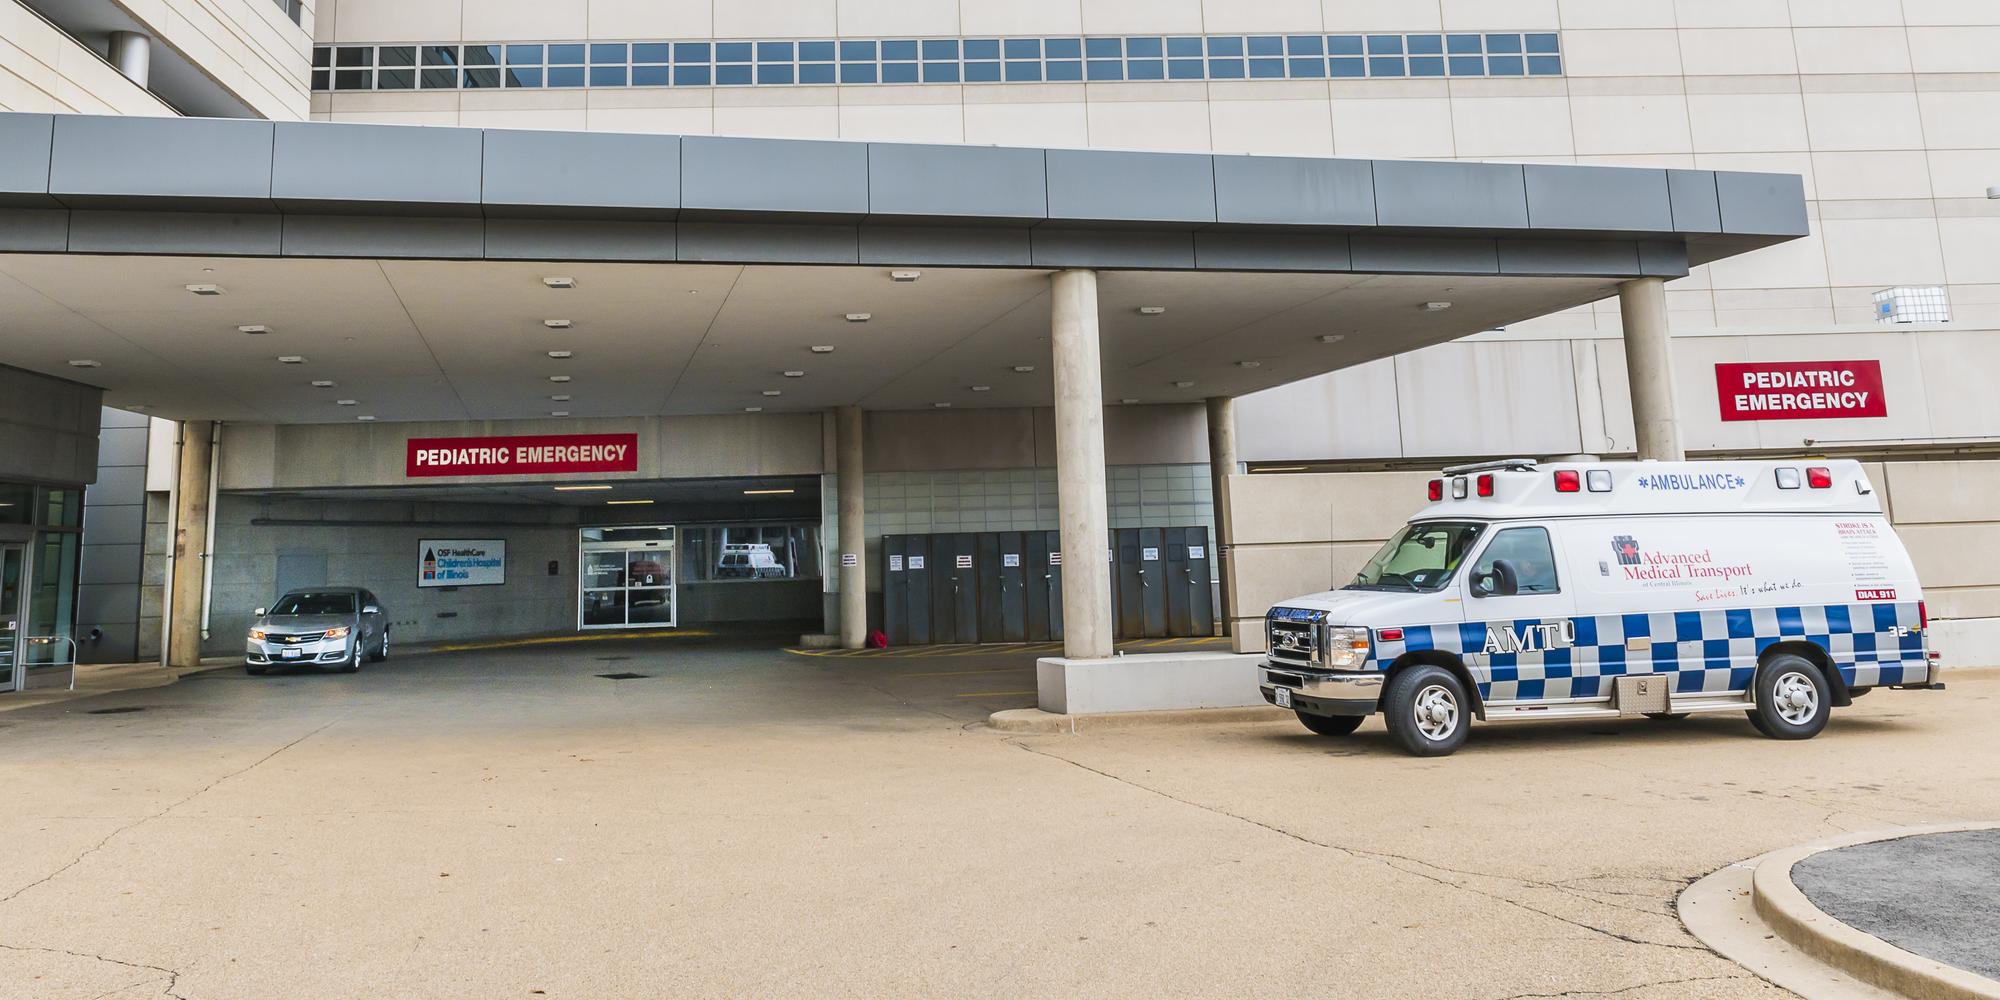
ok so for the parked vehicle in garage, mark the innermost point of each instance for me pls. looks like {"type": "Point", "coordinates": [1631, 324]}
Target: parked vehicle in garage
{"type": "Point", "coordinates": [1607, 590]}
{"type": "Point", "coordinates": [323, 626]}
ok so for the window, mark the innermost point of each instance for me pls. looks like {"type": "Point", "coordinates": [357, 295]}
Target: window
{"type": "Point", "coordinates": [1420, 557]}
{"type": "Point", "coordinates": [1518, 561]}
{"type": "Point", "coordinates": [314, 603]}
{"type": "Point", "coordinates": [749, 553]}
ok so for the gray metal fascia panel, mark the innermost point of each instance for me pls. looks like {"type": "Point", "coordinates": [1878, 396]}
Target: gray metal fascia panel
{"type": "Point", "coordinates": [943, 246]}
{"type": "Point", "coordinates": [1421, 194]}
{"type": "Point", "coordinates": [1606, 199]}
{"type": "Point", "coordinates": [1550, 258]}
{"type": "Point", "coordinates": [1271, 252]}
{"type": "Point", "coordinates": [1663, 258]}
{"type": "Point", "coordinates": [609, 172]}
{"type": "Point", "coordinates": [342, 166]}
{"type": "Point", "coordinates": [363, 236]}
{"type": "Point", "coordinates": [254, 234]}
{"type": "Point", "coordinates": [1113, 249]}
{"type": "Point", "coordinates": [785, 177]}
{"type": "Point", "coordinates": [956, 182]}
{"type": "Point", "coordinates": [552, 239]}
{"type": "Point", "coordinates": [1696, 208]}
{"type": "Point", "coordinates": [215, 162]}
{"type": "Point", "coordinates": [1285, 190]}
{"type": "Point", "coordinates": [34, 230]}
{"type": "Point", "coordinates": [1107, 186]}
{"type": "Point", "coordinates": [1421, 255]}
{"type": "Point", "coordinates": [1761, 204]}
{"type": "Point", "coordinates": [754, 243]}
{"type": "Point", "coordinates": [25, 144]}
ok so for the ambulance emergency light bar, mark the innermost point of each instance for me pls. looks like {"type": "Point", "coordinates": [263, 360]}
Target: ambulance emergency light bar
{"type": "Point", "coordinates": [1595, 480]}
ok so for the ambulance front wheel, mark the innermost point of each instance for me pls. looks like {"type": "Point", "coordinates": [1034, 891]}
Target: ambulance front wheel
{"type": "Point", "coordinates": [1793, 698]}
{"type": "Point", "coordinates": [1330, 725]}
{"type": "Point", "coordinates": [1427, 710]}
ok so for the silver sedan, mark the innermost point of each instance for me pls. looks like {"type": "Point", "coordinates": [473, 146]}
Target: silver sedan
{"type": "Point", "coordinates": [326, 626]}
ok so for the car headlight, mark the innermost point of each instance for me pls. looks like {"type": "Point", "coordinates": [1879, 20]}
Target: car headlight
{"type": "Point", "coordinates": [256, 633]}
{"type": "Point", "coordinates": [1346, 647]}
{"type": "Point", "coordinates": [338, 632]}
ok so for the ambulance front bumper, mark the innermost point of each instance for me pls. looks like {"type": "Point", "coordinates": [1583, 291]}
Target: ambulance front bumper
{"type": "Point", "coordinates": [1323, 692]}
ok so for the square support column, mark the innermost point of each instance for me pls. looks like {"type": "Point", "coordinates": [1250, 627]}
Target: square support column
{"type": "Point", "coordinates": [1221, 463]}
{"type": "Point", "coordinates": [853, 528]}
{"type": "Point", "coordinates": [1080, 496]}
{"type": "Point", "coordinates": [1649, 364]}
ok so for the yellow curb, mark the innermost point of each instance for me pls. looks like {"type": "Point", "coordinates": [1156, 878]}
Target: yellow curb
{"type": "Point", "coordinates": [1794, 917]}
{"type": "Point", "coordinates": [1034, 720]}
{"type": "Point", "coordinates": [550, 640]}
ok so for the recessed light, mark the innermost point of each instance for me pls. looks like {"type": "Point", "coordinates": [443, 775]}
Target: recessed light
{"type": "Point", "coordinates": [1024, 369]}
{"type": "Point", "coordinates": [982, 388]}
{"type": "Point", "coordinates": [346, 402]}
{"type": "Point", "coordinates": [942, 406]}
{"type": "Point", "coordinates": [580, 489]}
{"type": "Point", "coordinates": [774, 392]}
{"type": "Point", "coordinates": [561, 355]}
{"type": "Point", "coordinates": [205, 289]}
{"type": "Point", "coordinates": [557, 281]}
{"type": "Point", "coordinates": [322, 383]}
{"type": "Point", "coordinates": [140, 407]}
{"type": "Point", "coordinates": [253, 330]}
{"type": "Point", "coordinates": [795, 374]}
{"type": "Point", "coordinates": [1331, 338]}
{"type": "Point", "coordinates": [83, 363]}
{"type": "Point", "coordinates": [291, 359]}
{"type": "Point", "coordinates": [1151, 310]}
{"type": "Point", "coordinates": [558, 413]}
{"type": "Point", "coordinates": [905, 276]}
{"type": "Point", "coordinates": [557, 324]}
{"type": "Point", "coordinates": [753, 409]}
{"type": "Point", "coordinates": [364, 417]}
{"type": "Point", "coordinates": [559, 378]}
{"type": "Point", "coordinates": [559, 398]}
{"type": "Point", "coordinates": [860, 317]}
{"type": "Point", "coordinates": [1128, 402]}
{"type": "Point", "coordinates": [625, 503]}
{"type": "Point", "coordinates": [1436, 306]}
{"type": "Point", "coordinates": [769, 493]}
{"type": "Point", "coordinates": [822, 348]}
{"type": "Point", "coordinates": [1249, 364]}
{"type": "Point", "coordinates": [1184, 384]}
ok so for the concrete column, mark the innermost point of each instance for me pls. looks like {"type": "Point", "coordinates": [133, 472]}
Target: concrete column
{"type": "Point", "coordinates": [132, 53]}
{"type": "Point", "coordinates": [853, 529]}
{"type": "Point", "coordinates": [191, 543]}
{"type": "Point", "coordinates": [1649, 365]}
{"type": "Point", "coordinates": [1221, 464]}
{"type": "Point", "coordinates": [1080, 498]}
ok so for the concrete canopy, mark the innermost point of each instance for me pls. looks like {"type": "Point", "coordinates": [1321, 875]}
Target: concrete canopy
{"type": "Point", "coordinates": [406, 265]}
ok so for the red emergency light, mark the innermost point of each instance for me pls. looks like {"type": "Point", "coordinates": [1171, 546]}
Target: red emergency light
{"type": "Point", "coordinates": [1437, 490]}
{"type": "Point", "coordinates": [1389, 634]}
{"type": "Point", "coordinates": [1819, 478]}
{"type": "Point", "coordinates": [1486, 484]}
{"type": "Point", "coordinates": [1567, 481]}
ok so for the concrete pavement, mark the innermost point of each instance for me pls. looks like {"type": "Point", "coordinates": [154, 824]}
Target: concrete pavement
{"type": "Point", "coordinates": [502, 823]}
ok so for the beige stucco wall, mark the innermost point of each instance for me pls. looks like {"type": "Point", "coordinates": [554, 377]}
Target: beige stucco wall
{"type": "Point", "coordinates": [248, 47]}
{"type": "Point", "coordinates": [44, 70]}
{"type": "Point", "coordinates": [1300, 534]}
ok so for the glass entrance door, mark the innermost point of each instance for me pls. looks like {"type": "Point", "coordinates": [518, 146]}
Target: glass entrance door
{"type": "Point", "coordinates": [627, 578]}
{"type": "Point", "coordinates": [13, 566]}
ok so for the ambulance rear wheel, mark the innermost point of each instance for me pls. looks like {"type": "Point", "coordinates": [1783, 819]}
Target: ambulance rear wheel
{"type": "Point", "coordinates": [1427, 710]}
{"type": "Point", "coordinates": [1330, 725]}
{"type": "Point", "coordinates": [1793, 698]}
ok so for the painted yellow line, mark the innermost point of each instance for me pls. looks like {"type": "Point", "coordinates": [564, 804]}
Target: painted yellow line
{"type": "Point", "coordinates": [966, 673]}
{"type": "Point", "coordinates": [548, 640]}
{"type": "Point", "coordinates": [996, 694]}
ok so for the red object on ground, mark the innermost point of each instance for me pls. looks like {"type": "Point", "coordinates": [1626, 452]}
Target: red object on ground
{"type": "Point", "coordinates": [878, 639]}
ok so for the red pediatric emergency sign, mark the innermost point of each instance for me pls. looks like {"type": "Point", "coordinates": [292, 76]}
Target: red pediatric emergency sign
{"type": "Point", "coordinates": [1800, 390]}
{"type": "Point", "coordinates": [538, 455]}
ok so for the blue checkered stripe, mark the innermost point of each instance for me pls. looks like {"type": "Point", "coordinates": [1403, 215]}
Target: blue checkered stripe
{"type": "Point", "coordinates": [1709, 652]}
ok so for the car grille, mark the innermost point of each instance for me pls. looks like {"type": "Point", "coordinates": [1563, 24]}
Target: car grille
{"type": "Point", "coordinates": [289, 640]}
{"type": "Point", "coordinates": [1293, 643]}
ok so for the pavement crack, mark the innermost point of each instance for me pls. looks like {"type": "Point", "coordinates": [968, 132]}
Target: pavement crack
{"type": "Point", "coordinates": [1622, 990]}
{"type": "Point", "coordinates": [143, 820]}
{"type": "Point", "coordinates": [1390, 860]}
{"type": "Point", "coordinates": [173, 976]}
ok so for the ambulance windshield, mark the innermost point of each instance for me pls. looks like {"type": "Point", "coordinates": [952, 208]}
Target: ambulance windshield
{"type": "Point", "coordinates": [1419, 558]}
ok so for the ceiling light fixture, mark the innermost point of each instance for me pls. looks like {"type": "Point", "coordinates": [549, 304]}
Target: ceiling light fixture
{"type": "Point", "coordinates": [753, 409]}
{"type": "Point", "coordinates": [559, 378]}
{"type": "Point", "coordinates": [774, 392]}
{"type": "Point", "coordinates": [561, 355]}
{"type": "Point", "coordinates": [1249, 364]}
{"type": "Point", "coordinates": [557, 281]}
{"type": "Point", "coordinates": [1331, 338]}
{"type": "Point", "coordinates": [205, 289]}
{"type": "Point", "coordinates": [558, 413]}
{"type": "Point", "coordinates": [942, 406]}
{"type": "Point", "coordinates": [561, 397]}
{"type": "Point", "coordinates": [346, 402]}
{"type": "Point", "coordinates": [1436, 307]}
{"type": "Point", "coordinates": [254, 330]}
{"type": "Point", "coordinates": [1023, 369]}
{"type": "Point", "coordinates": [557, 324]}
{"type": "Point", "coordinates": [795, 373]}
{"type": "Point", "coordinates": [84, 363]}
{"type": "Point", "coordinates": [291, 359]}
{"type": "Point", "coordinates": [322, 383]}
{"type": "Point", "coordinates": [140, 407]}
{"type": "Point", "coordinates": [1128, 402]}
{"type": "Point", "coordinates": [1152, 310]}
{"type": "Point", "coordinates": [624, 503]}
{"type": "Point", "coordinates": [580, 489]}
{"type": "Point", "coordinates": [1184, 384]}
{"type": "Point", "coordinates": [860, 317]}
{"type": "Point", "coordinates": [365, 416]}
{"type": "Point", "coordinates": [982, 388]}
{"type": "Point", "coordinates": [822, 348]}
{"type": "Point", "coordinates": [905, 276]}
{"type": "Point", "coordinates": [769, 493]}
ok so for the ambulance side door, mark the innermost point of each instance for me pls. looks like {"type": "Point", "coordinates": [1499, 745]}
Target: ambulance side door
{"type": "Point", "coordinates": [1516, 591]}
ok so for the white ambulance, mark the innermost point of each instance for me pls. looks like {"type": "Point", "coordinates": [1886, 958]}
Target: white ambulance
{"type": "Point", "coordinates": [1593, 589]}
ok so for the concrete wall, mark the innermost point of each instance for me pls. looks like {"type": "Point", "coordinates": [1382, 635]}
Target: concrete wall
{"type": "Point", "coordinates": [48, 429]}
{"type": "Point", "coordinates": [43, 69]}
{"type": "Point", "coordinates": [1300, 534]}
{"type": "Point", "coordinates": [249, 48]}
{"type": "Point", "coordinates": [114, 529]}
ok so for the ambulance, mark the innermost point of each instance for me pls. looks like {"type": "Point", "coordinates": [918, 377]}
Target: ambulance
{"type": "Point", "coordinates": [1605, 590]}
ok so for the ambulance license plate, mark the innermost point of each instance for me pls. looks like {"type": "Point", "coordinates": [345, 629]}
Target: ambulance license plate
{"type": "Point", "coordinates": [1284, 696]}
{"type": "Point", "coordinates": [289, 654]}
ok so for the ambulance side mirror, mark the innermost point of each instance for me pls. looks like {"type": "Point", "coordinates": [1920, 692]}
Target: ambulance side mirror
{"type": "Point", "coordinates": [1502, 581]}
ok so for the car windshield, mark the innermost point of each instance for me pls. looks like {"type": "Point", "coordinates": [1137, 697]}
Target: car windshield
{"type": "Point", "coordinates": [1420, 557]}
{"type": "Point", "coordinates": [315, 604]}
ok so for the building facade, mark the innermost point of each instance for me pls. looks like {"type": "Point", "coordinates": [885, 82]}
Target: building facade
{"type": "Point", "coordinates": [1869, 336]}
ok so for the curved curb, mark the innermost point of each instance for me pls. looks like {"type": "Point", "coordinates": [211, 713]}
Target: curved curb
{"type": "Point", "coordinates": [1034, 720]}
{"type": "Point", "coordinates": [1794, 917]}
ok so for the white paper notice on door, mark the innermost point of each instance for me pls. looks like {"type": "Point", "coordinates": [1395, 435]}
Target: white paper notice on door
{"type": "Point", "coordinates": [1197, 552]}
{"type": "Point", "coordinates": [895, 564]}
{"type": "Point", "coordinates": [916, 562]}
{"type": "Point", "coordinates": [1149, 554]}
{"type": "Point", "coordinates": [1010, 559]}
{"type": "Point", "coordinates": [964, 562]}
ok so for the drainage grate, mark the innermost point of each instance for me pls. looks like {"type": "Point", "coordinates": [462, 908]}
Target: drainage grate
{"type": "Point", "coordinates": [624, 676]}
{"type": "Point", "coordinates": [116, 711]}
